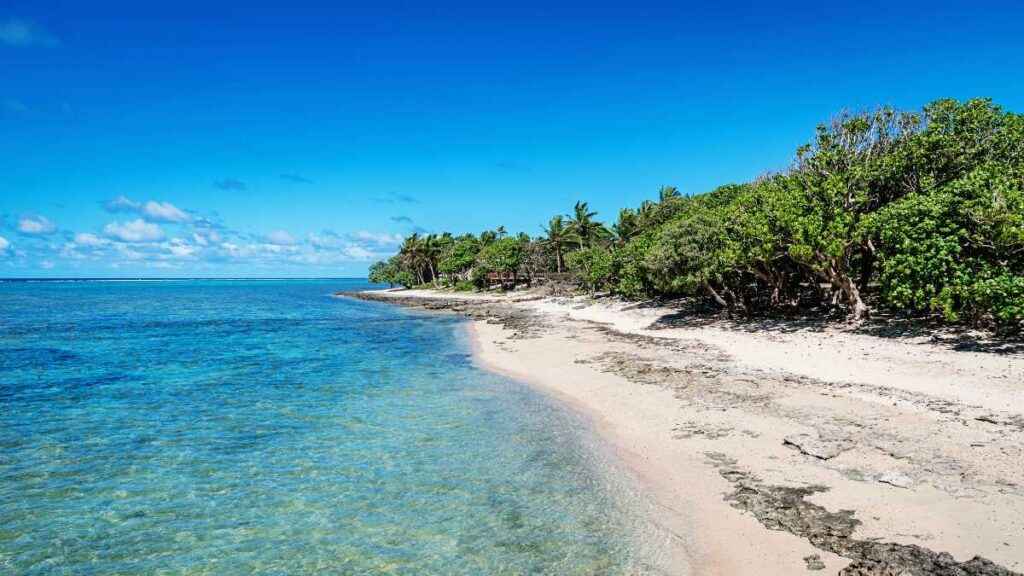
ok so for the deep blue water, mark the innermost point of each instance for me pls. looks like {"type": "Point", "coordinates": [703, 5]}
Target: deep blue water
{"type": "Point", "coordinates": [265, 427]}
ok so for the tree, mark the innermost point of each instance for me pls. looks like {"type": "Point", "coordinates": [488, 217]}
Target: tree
{"type": "Point", "coordinates": [652, 215]}
{"type": "Point", "coordinates": [459, 257]}
{"type": "Point", "coordinates": [667, 193]}
{"type": "Point", "coordinates": [924, 212]}
{"type": "Point", "coordinates": [584, 227]}
{"type": "Point", "coordinates": [632, 277]}
{"type": "Point", "coordinates": [488, 237]}
{"type": "Point", "coordinates": [382, 272]}
{"type": "Point", "coordinates": [411, 255]}
{"type": "Point", "coordinates": [431, 250]}
{"type": "Point", "coordinates": [592, 267]}
{"type": "Point", "coordinates": [537, 258]}
{"type": "Point", "coordinates": [955, 245]}
{"type": "Point", "coordinates": [627, 225]}
{"type": "Point", "coordinates": [504, 256]}
{"type": "Point", "coordinates": [391, 272]}
{"type": "Point", "coordinates": [691, 256]}
{"type": "Point", "coordinates": [558, 237]}
{"type": "Point", "coordinates": [846, 173]}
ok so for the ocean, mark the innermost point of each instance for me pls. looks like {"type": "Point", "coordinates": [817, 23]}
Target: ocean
{"type": "Point", "coordinates": [267, 427]}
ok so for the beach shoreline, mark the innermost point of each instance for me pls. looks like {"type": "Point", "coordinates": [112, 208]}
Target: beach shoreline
{"type": "Point", "coordinates": [732, 432]}
{"type": "Point", "coordinates": [684, 549]}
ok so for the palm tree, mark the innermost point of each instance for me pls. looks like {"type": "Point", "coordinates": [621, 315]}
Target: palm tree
{"type": "Point", "coordinates": [646, 215]}
{"type": "Point", "coordinates": [500, 231]}
{"type": "Point", "coordinates": [584, 227]}
{"type": "Point", "coordinates": [667, 193]}
{"type": "Point", "coordinates": [431, 248]}
{"type": "Point", "coordinates": [627, 226]}
{"type": "Point", "coordinates": [411, 252]}
{"type": "Point", "coordinates": [558, 236]}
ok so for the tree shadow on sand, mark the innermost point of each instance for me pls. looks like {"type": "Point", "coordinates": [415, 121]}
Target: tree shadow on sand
{"type": "Point", "coordinates": [699, 314]}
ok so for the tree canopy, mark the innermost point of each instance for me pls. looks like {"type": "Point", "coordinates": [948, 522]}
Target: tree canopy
{"type": "Point", "coordinates": [914, 212]}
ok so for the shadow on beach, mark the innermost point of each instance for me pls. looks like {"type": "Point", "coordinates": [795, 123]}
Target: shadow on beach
{"type": "Point", "coordinates": [691, 314]}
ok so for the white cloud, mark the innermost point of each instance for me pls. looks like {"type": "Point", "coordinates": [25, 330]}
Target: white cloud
{"type": "Point", "coordinates": [326, 240]}
{"type": "Point", "coordinates": [85, 246]}
{"type": "Point", "coordinates": [378, 239]}
{"type": "Point", "coordinates": [206, 237]}
{"type": "Point", "coordinates": [141, 241]}
{"type": "Point", "coordinates": [331, 248]}
{"type": "Point", "coordinates": [359, 253]}
{"type": "Point", "coordinates": [16, 32]}
{"type": "Point", "coordinates": [330, 239]}
{"type": "Point", "coordinates": [270, 248]}
{"type": "Point", "coordinates": [134, 231]}
{"type": "Point", "coordinates": [122, 204]}
{"type": "Point", "coordinates": [152, 210]}
{"type": "Point", "coordinates": [163, 212]}
{"type": "Point", "coordinates": [46, 264]}
{"type": "Point", "coordinates": [181, 249]}
{"type": "Point", "coordinates": [69, 251]}
{"type": "Point", "coordinates": [281, 238]}
{"type": "Point", "coordinates": [128, 252]}
{"type": "Point", "coordinates": [90, 240]}
{"type": "Point", "coordinates": [35, 225]}
{"type": "Point", "coordinates": [4, 244]}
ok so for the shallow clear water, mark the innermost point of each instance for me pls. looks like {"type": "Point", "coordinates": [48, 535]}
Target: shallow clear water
{"type": "Point", "coordinates": [264, 427]}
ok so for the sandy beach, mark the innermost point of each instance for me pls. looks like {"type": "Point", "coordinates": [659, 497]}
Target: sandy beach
{"type": "Point", "coordinates": [782, 449]}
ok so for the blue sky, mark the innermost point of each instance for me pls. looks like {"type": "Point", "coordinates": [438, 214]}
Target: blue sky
{"type": "Point", "coordinates": [279, 139]}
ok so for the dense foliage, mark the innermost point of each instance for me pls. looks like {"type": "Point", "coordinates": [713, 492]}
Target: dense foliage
{"type": "Point", "coordinates": [921, 213]}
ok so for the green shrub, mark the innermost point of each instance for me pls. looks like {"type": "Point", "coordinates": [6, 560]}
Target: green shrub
{"type": "Point", "coordinates": [632, 279]}
{"type": "Point", "coordinates": [592, 267]}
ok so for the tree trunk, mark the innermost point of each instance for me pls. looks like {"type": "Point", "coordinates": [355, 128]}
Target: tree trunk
{"type": "Point", "coordinates": [867, 267]}
{"type": "Point", "coordinates": [858, 309]}
{"type": "Point", "coordinates": [558, 258]}
{"type": "Point", "coordinates": [843, 285]}
{"type": "Point", "coordinates": [715, 295]}
{"type": "Point", "coordinates": [775, 282]}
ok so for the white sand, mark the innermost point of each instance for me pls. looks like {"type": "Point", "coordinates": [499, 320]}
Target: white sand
{"type": "Point", "coordinates": [912, 364]}
{"type": "Point", "coordinates": [893, 411]}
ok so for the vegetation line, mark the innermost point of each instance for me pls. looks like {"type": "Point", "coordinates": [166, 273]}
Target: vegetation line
{"type": "Point", "coordinates": [914, 212]}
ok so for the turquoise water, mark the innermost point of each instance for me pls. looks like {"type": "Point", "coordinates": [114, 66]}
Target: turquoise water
{"type": "Point", "coordinates": [264, 427]}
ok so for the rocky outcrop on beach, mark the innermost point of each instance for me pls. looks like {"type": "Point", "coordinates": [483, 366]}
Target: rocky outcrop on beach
{"type": "Point", "coordinates": [520, 322]}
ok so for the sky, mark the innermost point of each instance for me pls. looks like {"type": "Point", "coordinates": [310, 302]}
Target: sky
{"type": "Point", "coordinates": [293, 139]}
